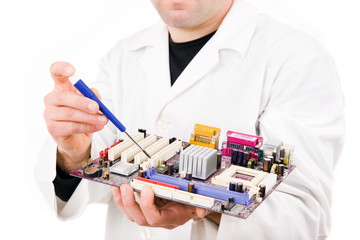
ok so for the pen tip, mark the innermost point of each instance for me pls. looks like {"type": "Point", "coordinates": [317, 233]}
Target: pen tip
{"type": "Point", "coordinates": [146, 154]}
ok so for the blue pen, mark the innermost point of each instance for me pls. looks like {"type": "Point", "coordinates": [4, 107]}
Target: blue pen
{"type": "Point", "coordinates": [86, 91]}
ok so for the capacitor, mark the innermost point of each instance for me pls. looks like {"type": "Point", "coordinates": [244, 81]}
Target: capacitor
{"type": "Point", "coordinates": [286, 156]}
{"type": "Point", "coordinates": [273, 168]}
{"type": "Point", "coordinates": [218, 159]}
{"type": "Point", "coordinates": [272, 159]}
{"type": "Point", "coordinates": [188, 176]}
{"type": "Point", "coordinates": [274, 155]}
{"type": "Point", "coordinates": [245, 158]}
{"type": "Point", "coordinates": [281, 160]}
{"type": "Point", "coordinates": [234, 157]}
{"type": "Point", "coordinates": [170, 168]}
{"type": "Point", "coordinates": [280, 170]}
{"type": "Point", "coordinates": [239, 187]}
{"type": "Point", "coordinates": [282, 153]}
{"type": "Point", "coordinates": [141, 173]}
{"type": "Point", "coordinates": [101, 162]}
{"type": "Point", "coordinates": [111, 163]}
{"type": "Point", "coordinates": [262, 190]}
{"type": "Point", "coordinates": [231, 186]}
{"type": "Point", "coordinates": [267, 165]}
{"type": "Point", "coordinates": [191, 187]}
{"type": "Point", "coordinates": [92, 172]}
{"type": "Point", "coordinates": [106, 175]}
{"type": "Point", "coordinates": [105, 164]}
{"type": "Point", "coordinates": [239, 158]}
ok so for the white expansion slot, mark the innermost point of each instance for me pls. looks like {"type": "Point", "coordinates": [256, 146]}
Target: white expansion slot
{"type": "Point", "coordinates": [171, 193]}
{"type": "Point", "coordinates": [151, 150]}
{"type": "Point", "coordinates": [166, 153]}
{"type": "Point", "coordinates": [128, 154]}
{"type": "Point", "coordinates": [115, 152]}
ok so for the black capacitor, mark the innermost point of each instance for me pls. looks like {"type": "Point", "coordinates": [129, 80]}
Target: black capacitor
{"type": "Point", "coordinates": [262, 190]}
{"type": "Point", "coordinates": [281, 160]}
{"type": "Point", "coordinates": [274, 155]}
{"type": "Point", "coordinates": [239, 187]}
{"type": "Point", "coordinates": [188, 176]}
{"type": "Point", "coordinates": [191, 187]}
{"type": "Point", "coordinates": [140, 173]}
{"type": "Point", "coordinates": [218, 159]}
{"type": "Point", "coordinates": [231, 186]}
{"type": "Point", "coordinates": [105, 164]}
{"type": "Point", "coordinates": [170, 168]}
{"type": "Point", "coordinates": [271, 159]}
{"type": "Point", "coordinates": [282, 153]}
{"type": "Point", "coordinates": [280, 170]}
{"type": "Point", "coordinates": [245, 159]}
{"type": "Point", "coordinates": [111, 163]}
{"type": "Point", "coordinates": [267, 165]}
{"type": "Point", "coordinates": [101, 162]}
{"type": "Point", "coordinates": [239, 158]}
{"type": "Point", "coordinates": [234, 157]}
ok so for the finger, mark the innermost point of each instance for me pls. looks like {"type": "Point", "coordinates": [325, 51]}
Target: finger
{"type": "Point", "coordinates": [174, 214]}
{"type": "Point", "coordinates": [74, 115]}
{"type": "Point", "coordinates": [61, 129]}
{"type": "Point", "coordinates": [96, 92]}
{"type": "Point", "coordinates": [132, 206]}
{"type": "Point", "coordinates": [71, 99]}
{"type": "Point", "coordinates": [118, 200]}
{"type": "Point", "coordinates": [60, 72]}
{"type": "Point", "coordinates": [200, 212]}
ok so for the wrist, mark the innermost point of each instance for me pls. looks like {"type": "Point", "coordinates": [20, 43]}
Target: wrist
{"type": "Point", "coordinates": [70, 161]}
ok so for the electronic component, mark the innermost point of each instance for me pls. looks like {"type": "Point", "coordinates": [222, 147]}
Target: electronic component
{"type": "Point", "coordinates": [249, 144]}
{"type": "Point", "coordinates": [92, 172]}
{"type": "Point", "coordinates": [115, 152]}
{"type": "Point", "coordinates": [205, 136]}
{"type": "Point", "coordinates": [152, 150]}
{"type": "Point", "coordinates": [86, 163]}
{"type": "Point", "coordinates": [288, 154]}
{"type": "Point", "coordinates": [262, 190]}
{"type": "Point", "coordinates": [161, 169]}
{"type": "Point", "coordinates": [170, 168]}
{"type": "Point", "coordinates": [124, 168]}
{"type": "Point", "coordinates": [280, 170]}
{"type": "Point", "coordinates": [128, 154]}
{"type": "Point", "coordinates": [272, 148]}
{"type": "Point", "coordinates": [267, 165]}
{"type": "Point", "coordinates": [236, 189]}
{"type": "Point", "coordinates": [163, 155]}
{"type": "Point", "coordinates": [201, 161]}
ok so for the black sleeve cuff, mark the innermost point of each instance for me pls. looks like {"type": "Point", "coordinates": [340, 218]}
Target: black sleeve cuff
{"type": "Point", "coordinates": [64, 184]}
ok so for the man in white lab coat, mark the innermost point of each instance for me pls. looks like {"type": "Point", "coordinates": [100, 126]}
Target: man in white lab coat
{"type": "Point", "coordinates": [248, 73]}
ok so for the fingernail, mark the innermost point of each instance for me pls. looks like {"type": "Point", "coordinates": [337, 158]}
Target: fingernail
{"type": "Point", "coordinates": [102, 119]}
{"type": "Point", "coordinates": [68, 70]}
{"type": "Point", "coordinates": [92, 107]}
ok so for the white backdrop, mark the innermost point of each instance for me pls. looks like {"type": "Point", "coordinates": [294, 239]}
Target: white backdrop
{"type": "Point", "coordinates": [36, 33]}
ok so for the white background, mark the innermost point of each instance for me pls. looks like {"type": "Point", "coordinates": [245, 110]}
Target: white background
{"type": "Point", "coordinates": [36, 33]}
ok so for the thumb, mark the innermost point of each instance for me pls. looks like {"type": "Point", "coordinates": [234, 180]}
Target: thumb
{"type": "Point", "coordinates": [60, 72]}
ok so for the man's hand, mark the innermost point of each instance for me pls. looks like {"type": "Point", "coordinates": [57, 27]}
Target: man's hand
{"type": "Point", "coordinates": [153, 212]}
{"type": "Point", "coordinates": [71, 118]}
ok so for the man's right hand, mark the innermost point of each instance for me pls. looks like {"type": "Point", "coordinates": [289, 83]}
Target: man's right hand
{"type": "Point", "coordinates": [71, 118]}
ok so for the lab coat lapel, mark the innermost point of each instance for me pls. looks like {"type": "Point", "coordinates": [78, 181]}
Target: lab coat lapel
{"type": "Point", "coordinates": [200, 65]}
{"type": "Point", "coordinates": [155, 62]}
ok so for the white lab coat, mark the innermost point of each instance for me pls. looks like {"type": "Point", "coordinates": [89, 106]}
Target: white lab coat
{"type": "Point", "coordinates": [254, 76]}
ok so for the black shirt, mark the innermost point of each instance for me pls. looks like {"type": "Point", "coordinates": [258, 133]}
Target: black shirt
{"type": "Point", "coordinates": [180, 55]}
